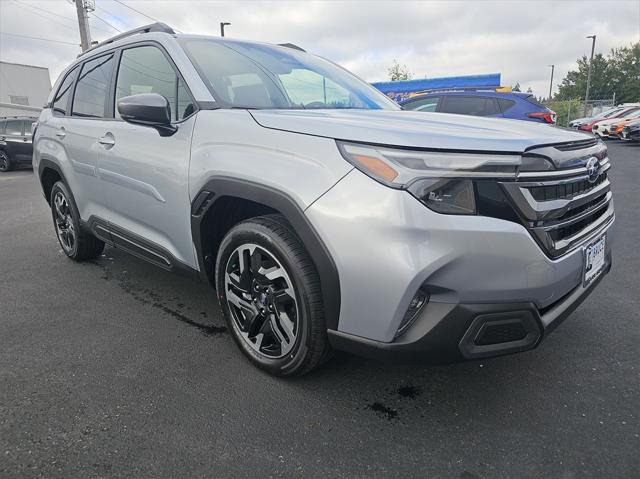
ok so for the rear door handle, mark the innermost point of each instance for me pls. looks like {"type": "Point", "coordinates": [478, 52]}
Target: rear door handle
{"type": "Point", "coordinates": [61, 133]}
{"type": "Point", "coordinates": [107, 140]}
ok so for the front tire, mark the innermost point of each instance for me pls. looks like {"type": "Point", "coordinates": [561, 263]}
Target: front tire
{"type": "Point", "coordinates": [269, 291]}
{"type": "Point", "coordinates": [76, 244]}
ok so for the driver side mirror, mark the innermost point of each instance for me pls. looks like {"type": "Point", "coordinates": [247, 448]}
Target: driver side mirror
{"type": "Point", "coordinates": [148, 109]}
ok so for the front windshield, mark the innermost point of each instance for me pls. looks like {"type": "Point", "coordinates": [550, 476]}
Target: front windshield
{"type": "Point", "coordinates": [249, 75]}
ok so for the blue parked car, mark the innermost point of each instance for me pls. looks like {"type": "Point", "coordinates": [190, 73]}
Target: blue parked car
{"type": "Point", "coordinates": [514, 105]}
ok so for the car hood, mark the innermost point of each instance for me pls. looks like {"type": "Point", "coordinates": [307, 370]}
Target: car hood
{"type": "Point", "coordinates": [418, 129]}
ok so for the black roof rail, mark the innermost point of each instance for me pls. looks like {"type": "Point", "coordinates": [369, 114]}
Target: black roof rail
{"type": "Point", "coordinates": [292, 45]}
{"type": "Point", "coordinates": [153, 27]}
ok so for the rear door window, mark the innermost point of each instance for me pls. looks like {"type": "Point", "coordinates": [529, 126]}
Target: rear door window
{"type": "Point", "coordinates": [470, 105]}
{"type": "Point", "coordinates": [423, 104]}
{"type": "Point", "coordinates": [2, 125]}
{"type": "Point", "coordinates": [90, 97]}
{"type": "Point", "coordinates": [13, 128]}
{"type": "Point", "coordinates": [27, 127]}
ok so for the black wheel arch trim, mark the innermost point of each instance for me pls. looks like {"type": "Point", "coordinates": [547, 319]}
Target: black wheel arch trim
{"type": "Point", "coordinates": [220, 187]}
{"type": "Point", "coordinates": [44, 164]}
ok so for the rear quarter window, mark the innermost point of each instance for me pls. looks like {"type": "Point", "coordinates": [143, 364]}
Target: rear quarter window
{"type": "Point", "coordinates": [423, 104]}
{"type": "Point", "coordinates": [61, 100]}
{"type": "Point", "coordinates": [532, 99]}
{"type": "Point", "coordinates": [505, 105]}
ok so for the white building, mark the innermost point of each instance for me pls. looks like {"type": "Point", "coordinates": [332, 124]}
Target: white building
{"type": "Point", "coordinates": [23, 89]}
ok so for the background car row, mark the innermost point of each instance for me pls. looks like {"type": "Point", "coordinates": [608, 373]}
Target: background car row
{"type": "Point", "coordinates": [609, 123]}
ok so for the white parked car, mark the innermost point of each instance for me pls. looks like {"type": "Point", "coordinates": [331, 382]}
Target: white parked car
{"type": "Point", "coordinates": [603, 129]}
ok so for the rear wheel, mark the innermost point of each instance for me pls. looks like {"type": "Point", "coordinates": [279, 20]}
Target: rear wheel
{"type": "Point", "coordinates": [5, 162]}
{"type": "Point", "coordinates": [269, 291]}
{"type": "Point", "coordinates": [76, 244]}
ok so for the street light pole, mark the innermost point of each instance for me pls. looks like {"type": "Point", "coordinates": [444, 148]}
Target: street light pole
{"type": "Point", "coordinates": [551, 82]}
{"type": "Point", "coordinates": [222, 25]}
{"type": "Point", "coordinates": [586, 95]}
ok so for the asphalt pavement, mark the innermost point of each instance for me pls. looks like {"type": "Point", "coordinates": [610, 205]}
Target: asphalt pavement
{"type": "Point", "coordinates": [114, 368]}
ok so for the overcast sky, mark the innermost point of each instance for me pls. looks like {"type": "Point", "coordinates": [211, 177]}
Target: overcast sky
{"type": "Point", "coordinates": [433, 38]}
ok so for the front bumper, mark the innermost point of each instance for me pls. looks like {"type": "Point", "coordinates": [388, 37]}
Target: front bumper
{"type": "Point", "coordinates": [387, 245]}
{"type": "Point", "coordinates": [447, 333]}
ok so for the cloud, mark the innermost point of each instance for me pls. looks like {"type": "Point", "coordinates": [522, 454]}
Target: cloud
{"type": "Point", "coordinates": [516, 38]}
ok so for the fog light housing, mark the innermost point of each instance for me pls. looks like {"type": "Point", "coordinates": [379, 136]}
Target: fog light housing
{"type": "Point", "coordinates": [418, 302]}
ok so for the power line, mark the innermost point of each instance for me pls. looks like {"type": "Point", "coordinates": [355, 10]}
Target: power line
{"type": "Point", "coordinates": [98, 7]}
{"type": "Point", "coordinates": [39, 11]}
{"type": "Point", "coordinates": [40, 38]}
{"type": "Point", "coordinates": [105, 22]}
{"type": "Point", "coordinates": [137, 11]}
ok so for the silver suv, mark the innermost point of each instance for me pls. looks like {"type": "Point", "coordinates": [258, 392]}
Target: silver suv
{"type": "Point", "coordinates": [324, 215]}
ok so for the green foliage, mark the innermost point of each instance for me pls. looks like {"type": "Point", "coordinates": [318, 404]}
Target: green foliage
{"type": "Point", "coordinates": [399, 72]}
{"type": "Point", "coordinates": [566, 110]}
{"type": "Point", "coordinates": [618, 73]}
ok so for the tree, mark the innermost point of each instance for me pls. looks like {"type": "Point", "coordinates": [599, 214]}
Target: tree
{"type": "Point", "coordinates": [618, 73]}
{"type": "Point", "coordinates": [529, 90]}
{"type": "Point", "coordinates": [399, 72]}
{"type": "Point", "coordinates": [516, 87]}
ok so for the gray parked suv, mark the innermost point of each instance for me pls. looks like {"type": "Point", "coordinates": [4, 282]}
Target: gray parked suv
{"type": "Point", "coordinates": [324, 216]}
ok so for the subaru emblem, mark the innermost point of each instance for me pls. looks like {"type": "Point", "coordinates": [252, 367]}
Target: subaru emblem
{"type": "Point", "coordinates": [593, 169]}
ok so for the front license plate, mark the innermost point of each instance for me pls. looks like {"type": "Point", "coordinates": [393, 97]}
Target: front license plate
{"type": "Point", "coordinates": [594, 259]}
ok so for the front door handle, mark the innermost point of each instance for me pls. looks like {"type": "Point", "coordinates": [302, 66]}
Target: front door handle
{"type": "Point", "coordinates": [107, 140]}
{"type": "Point", "coordinates": [61, 133]}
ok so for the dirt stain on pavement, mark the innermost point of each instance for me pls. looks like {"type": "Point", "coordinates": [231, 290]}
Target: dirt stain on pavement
{"type": "Point", "coordinates": [383, 410]}
{"type": "Point", "coordinates": [153, 298]}
{"type": "Point", "coordinates": [409, 391]}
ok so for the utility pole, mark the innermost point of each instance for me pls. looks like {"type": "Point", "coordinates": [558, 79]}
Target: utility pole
{"type": "Point", "coordinates": [551, 82]}
{"type": "Point", "coordinates": [82, 9]}
{"type": "Point", "coordinates": [586, 95]}
{"type": "Point", "coordinates": [222, 25]}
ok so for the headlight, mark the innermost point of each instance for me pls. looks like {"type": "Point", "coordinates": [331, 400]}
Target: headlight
{"type": "Point", "coordinates": [441, 180]}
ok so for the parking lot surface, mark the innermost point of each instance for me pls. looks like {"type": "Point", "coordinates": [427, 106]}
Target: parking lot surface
{"type": "Point", "coordinates": [114, 368]}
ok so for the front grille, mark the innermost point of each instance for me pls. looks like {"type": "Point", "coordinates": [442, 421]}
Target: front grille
{"type": "Point", "coordinates": [570, 230]}
{"type": "Point", "coordinates": [577, 145]}
{"type": "Point", "coordinates": [562, 209]}
{"type": "Point", "coordinates": [565, 190]}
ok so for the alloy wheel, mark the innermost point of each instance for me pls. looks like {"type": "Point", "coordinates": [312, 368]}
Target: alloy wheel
{"type": "Point", "coordinates": [262, 301]}
{"type": "Point", "coordinates": [64, 222]}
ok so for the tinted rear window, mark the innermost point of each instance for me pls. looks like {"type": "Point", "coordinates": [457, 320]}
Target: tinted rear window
{"type": "Point", "coordinates": [470, 105]}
